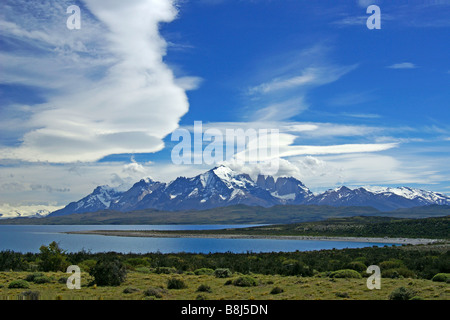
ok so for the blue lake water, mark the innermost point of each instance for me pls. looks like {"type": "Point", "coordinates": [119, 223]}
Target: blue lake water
{"type": "Point", "coordinates": [30, 238]}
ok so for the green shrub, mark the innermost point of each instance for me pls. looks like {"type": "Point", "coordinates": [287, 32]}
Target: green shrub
{"type": "Point", "coordinates": [277, 290]}
{"type": "Point", "coordinates": [137, 262]}
{"type": "Point", "coordinates": [245, 281]}
{"type": "Point", "coordinates": [222, 273]}
{"type": "Point", "coordinates": [342, 295]}
{"type": "Point", "coordinates": [32, 276]}
{"type": "Point", "coordinates": [176, 283]}
{"type": "Point", "coordinates": [391, 264]}
{"type": "Point", "coordinates": [204, 288]}
{"type": "Point", "coordinates": [52, 258]}
{"type": "Point", "coordinates": [346, 273]}
{"type": "Point", "coordinates": [204, 271]}
{"type": "Point", "coordinates": [130, 290]}
{"type": "Point", "coordinates": [108, 272]}
{"type": "Point", "coordinates": [29, 295]}
{"type": "Point", "coordinates": [165, 270]}
{"type": "Point", "coordinates": [154, 292]}
{"type": "Point", "coordinates": [63, 280]}
{"type": "Point", "coordinates": [19, 284]}
{"type": "Point", "coordinates": [38, 278]}
{"type": "Point", "coordinates": [398, 273]}
{"type": "Point", "coordinates": [357, 266]}
{"type": "Point", "coordinates": [402, 293]}
{"type": "Point", "coordinates": [87, 265]}
{"type": "Point", "coordinates": [441, 277]}
{"type": "Point", "coordinates": [41, 280]}
{"type": "Point", "coordinates": [201, 297]}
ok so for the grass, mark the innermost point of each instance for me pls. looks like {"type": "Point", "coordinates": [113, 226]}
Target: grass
{"type": "Point", "coordinates": [294, 288]}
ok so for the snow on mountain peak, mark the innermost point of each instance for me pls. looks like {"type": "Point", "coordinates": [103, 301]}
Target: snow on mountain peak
{"type": "Point", "coordinates": [406, 192]}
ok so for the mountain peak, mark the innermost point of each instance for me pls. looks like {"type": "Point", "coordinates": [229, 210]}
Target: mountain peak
{"type": "Point", "coordinates": [222, 186]}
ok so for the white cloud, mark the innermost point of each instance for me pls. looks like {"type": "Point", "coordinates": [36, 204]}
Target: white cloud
{"type": "Point", "coordinates": [362, 115]}
{"type": "Point", "coordinates": [129, 107]}
{"type": "Point", "coordinates": [289, 151]}
{"type": "Point", "coordinates": [309, 77]}
{"type": "Point", "coordinates": [281, 111]}
{"type": "Point", "coordinates": [403, 65]}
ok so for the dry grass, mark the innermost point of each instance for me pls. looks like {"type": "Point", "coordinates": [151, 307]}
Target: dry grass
{"type": "Point", "coordinates": [294, 288]}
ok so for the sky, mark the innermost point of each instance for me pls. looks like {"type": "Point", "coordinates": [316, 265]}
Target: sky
{"type": "Point", "coordinates": [99, 105]}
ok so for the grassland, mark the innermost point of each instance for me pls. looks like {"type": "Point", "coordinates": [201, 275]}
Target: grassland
{"type": "Point", "coordinates": [294, 288]}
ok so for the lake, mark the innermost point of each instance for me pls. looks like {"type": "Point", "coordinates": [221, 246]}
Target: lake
{"type": "Point", "coordinates": [24, 239]}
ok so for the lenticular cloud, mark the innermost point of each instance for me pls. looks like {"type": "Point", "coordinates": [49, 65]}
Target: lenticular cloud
{"type": "Point", "coordinates": [129, 109]}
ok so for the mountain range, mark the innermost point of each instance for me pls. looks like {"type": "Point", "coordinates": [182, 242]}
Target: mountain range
{"type": "Point", "coordinates": [222, 186]}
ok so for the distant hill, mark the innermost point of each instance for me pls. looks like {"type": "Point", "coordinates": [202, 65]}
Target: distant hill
{"type": "Point", "coordinates": [238, 214]}
{"type": "Point", "coordinates": [429, 228]}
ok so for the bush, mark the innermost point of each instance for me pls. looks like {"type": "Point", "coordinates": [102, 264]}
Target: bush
{"type": "Point", "coordinates": [441, 277]}
{"type": "Point", "coordinates": [391, 264]}
{"type": "Point", "coordinates": [19, 284]}
{"type": "Point", "coordinates": [204, 288]}
{"type": "Point", "coordinates": [37, 277]}
{"type": "Point", "coordinates": [398, 273]}
{"type": "Point", "coordinates": [43, 279]}
{"type": "Point", "coordinates": [345, 273]}
{"type": "Point", "coordinates": [357, 266]}
{"type": "Point", "coordinates": [201, 297]}
{"type": "Point", "coordinates": [245, 281]}
{"type": "Point", "coordinates": [52, 258]}
{"type": "Point", "coordinates": [63, 280]}
{"type": "Point", "coordinates": [154, 292]}
{"type": "Point", "coordinates": [165, 270]}
{"type": "Point", "coordinates": [176, 283]}
{"type": "Point", "coordinates": [137, 262]}
{"type": "Point", "coordinates": [130, 290]}
{"type": "Point", "coordinates": [108, 272]}
{"type": "Point", "coordinates": [342, 295]}
{"type": "Point", "coordinates": [276, 290]}
{"type": "Point", "coordinates": [203, 271]}
{"type": "Point", "coordinates": [10, 260]}
{"type": "Point", "coordinates": [32, 276]}
{"type": "Point", "coordinates": [29, 295]}
{"type": "Point", "coordinates": [402, 293]}
{"type": "Point", "coordinates": [87, 265]}
{"type": "Point", "coordinates": [222, 273]}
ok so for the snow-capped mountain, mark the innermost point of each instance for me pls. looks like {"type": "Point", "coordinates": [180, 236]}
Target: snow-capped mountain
{"type": "Point", "coordinates": [285, 189]}
{"type": "Point", "coordinates": [381, 198]}
{"type": "Point", "coordinates": [100, 199]}
{"type": "Point", "coordinates": [217, 187]}
{"type": "Point", "coordinates": [222, 186]}
{"type": "Point", "coordinates": [128, 201]}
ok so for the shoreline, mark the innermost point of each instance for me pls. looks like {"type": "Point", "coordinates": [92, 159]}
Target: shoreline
{"type": "Point", "coordinates": [150, 234]}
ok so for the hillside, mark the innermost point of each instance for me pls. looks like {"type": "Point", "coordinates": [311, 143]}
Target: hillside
{"type": "Point", "coordinates": [239, 214]}
{"type": "Point", "coordinates": [430, 228]}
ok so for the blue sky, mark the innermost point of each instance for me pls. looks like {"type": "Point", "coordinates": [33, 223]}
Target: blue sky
{"type": "Point", "coordinates": [95, 106]}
